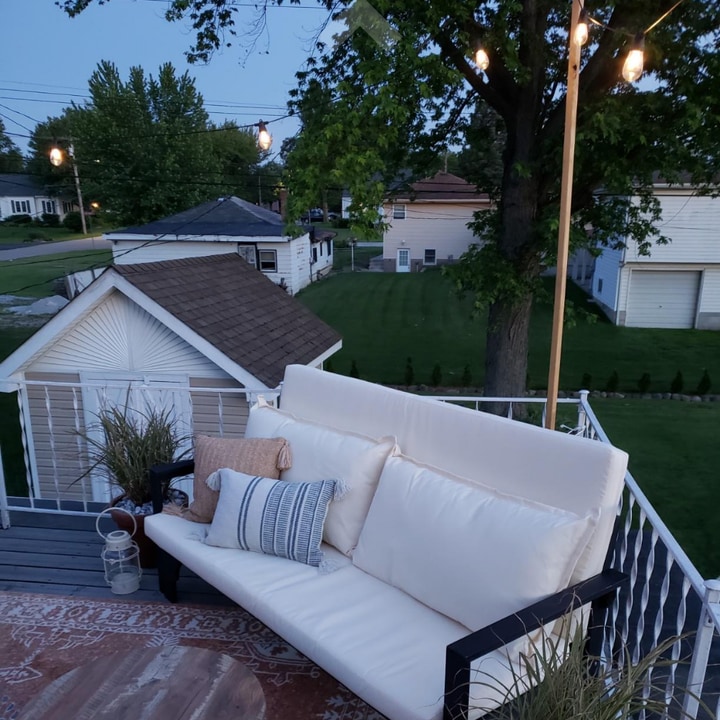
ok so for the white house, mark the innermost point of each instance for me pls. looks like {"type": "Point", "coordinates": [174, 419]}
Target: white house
{"type": "Point", "coordinates": [428, 222]}
{"type": "Point", "coordinates": [228, 225]}
{"type": "Point", "coordinates": [21, 195]}
{"type": "Point", "coordinates": [678, 284]}
{"type": "Point", "coordinates": [191, 334]}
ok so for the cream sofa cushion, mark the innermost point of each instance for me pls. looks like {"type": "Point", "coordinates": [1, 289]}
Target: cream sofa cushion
{"type": "Point", "coordinates": [464, 549]}
{"type": "Point", "coordinates": [321, 453]}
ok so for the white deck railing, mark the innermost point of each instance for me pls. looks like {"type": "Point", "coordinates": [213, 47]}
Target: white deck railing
{"type": "Point", "coordinates": [667, 597]}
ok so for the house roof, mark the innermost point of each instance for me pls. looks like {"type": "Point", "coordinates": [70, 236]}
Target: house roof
{"type": "Point", "coordinates": [226, 216]}
{"type": "Point", "coordinates": [18, 185]}
{"type": "Point", "coordinates": [442, 186]}
{"type": "Point", "coordinates": [235, 308]}
{"type": "Point", "coordinates": [220, 305]}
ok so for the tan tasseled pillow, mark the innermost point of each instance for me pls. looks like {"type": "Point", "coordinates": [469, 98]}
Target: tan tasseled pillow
{"type": "Point", "coordinates": [265, 457]}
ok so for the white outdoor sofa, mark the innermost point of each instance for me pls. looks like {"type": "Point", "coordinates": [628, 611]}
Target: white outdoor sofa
{"type": "Point", "coordinates": [480, 529]}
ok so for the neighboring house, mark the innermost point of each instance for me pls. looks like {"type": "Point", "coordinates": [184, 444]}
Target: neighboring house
{"type": "Point", "coordinates": [678, 284]}
{"type": "Point", "coordinates": [428, 223]}
{"type": "Point", "coordinates": [21, 195]}
{"type": "Point", "coordinates": [229, 225]}
{"type": "Point", "coordinates": [167, 332]}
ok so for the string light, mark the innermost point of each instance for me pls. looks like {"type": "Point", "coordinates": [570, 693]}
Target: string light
{"type": "Point", "coordinates": [264, 137]}
{"type": "Point", "coordinates": [633, 67]}
{"type": "Point", "coordinates": [581, 29]}
{"type": "Point", "coordinates": [481, 59]}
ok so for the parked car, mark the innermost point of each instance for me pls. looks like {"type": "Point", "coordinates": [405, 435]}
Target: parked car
{"type": "Point", "coordinates": [314, 215]}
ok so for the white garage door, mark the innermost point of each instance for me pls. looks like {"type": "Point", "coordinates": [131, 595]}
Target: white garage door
{"type": "Point", "coordinates": [663, 299]}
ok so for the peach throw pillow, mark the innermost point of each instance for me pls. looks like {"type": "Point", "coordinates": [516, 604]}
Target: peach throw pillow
{"type": "Point", "coordinates": [265, 457]}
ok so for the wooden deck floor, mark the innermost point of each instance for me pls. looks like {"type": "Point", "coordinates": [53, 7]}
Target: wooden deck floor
{"type": "Point", "coordinates": [60, 554]}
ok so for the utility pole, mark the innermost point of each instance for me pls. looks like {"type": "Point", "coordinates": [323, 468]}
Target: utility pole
{"type": "Point", "coordinates": [71, 152]}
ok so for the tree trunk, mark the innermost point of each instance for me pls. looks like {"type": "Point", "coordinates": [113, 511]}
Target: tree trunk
{"type": "Point", "coordinates": [506, 358]}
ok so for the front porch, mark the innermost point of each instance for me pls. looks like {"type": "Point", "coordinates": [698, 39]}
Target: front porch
{"type": "Point", "coordinates": [46, 550]}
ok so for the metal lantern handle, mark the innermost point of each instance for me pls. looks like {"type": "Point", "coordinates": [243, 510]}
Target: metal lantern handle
{"type": "Point", "coordinates": [107, 510]}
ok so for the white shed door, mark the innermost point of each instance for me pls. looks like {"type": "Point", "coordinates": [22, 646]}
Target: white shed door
{"type": "Point", "coordinates": [663, 299]}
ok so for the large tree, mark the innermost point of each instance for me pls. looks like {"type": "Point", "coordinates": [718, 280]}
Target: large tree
{"type": "Point", "coordinates": [394, 101]}
{"type": "Point", "coordinates": [11, 159]}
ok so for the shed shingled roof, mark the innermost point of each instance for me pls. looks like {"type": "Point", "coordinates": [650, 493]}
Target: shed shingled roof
{"type": "Point", "coordinates": [226, 216]}
{"type": "Point", "coordinates": [226, 301]}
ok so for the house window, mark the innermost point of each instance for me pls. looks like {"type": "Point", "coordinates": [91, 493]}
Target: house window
{"type": "Point", "coordinates": [48, 207]}
{"type": "Point", "coordinates": [599, 285]}
{"type": "Point", "coordinates": [268, 260]}
{"type": "Point", "coordinates": [429, 258]}
{"type": "Point", "coordinates": [398, 212]}
{"type": "Point", "coordinates": [67, 207]}
{"type": "Point", "coordinates": [20, 206]}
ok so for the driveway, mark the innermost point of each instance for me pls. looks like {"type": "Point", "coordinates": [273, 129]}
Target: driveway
{"type": "Point", "coordinates": [53, 248]}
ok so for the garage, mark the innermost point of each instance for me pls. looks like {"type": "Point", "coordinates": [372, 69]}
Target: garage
{"type": "Point", "coordinates": [663, 299]}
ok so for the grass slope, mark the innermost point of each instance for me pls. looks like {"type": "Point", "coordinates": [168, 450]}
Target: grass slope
{"type": "Point", "coordinates": [387, 317]}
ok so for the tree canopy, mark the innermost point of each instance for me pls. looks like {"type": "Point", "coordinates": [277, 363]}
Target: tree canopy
{"type": "Point", "coordinates": [11, 159]}
{"type": "Point", "coordinates": [399, 102]}
{"type": "Point", "coordinates": [144, 147]}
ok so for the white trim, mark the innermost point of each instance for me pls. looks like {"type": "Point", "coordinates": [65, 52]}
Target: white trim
{"type": "Point", "coordinates": [328, 353]}
{"type": "Point", "coordinates": [172, 237]}
{"type": "Point", "coordinates": [30, 441]}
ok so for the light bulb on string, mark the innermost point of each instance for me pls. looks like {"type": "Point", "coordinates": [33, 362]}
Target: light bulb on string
{"type": "Point", "coordinates": [481, 59]}
{"type": "Point", "coordinates": [581, 29]}
{"type": "Point", "coordinates": [633, 67]}
{"type": "Point", "coordinates": [264, 137]}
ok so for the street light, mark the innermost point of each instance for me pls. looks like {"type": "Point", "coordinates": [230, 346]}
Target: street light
{"type": "Point", "coordinates": [57, 157]}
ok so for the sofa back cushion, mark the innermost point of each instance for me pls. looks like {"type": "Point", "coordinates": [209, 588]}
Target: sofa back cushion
{"type": "Point", "coordinates": [553, 468]}
{"type": "Point", "coordinates": [263, 457]}
{"type": "Point", "coordinates": [320, 453]}
{"type": "Point", "coordinates": [466, 550]}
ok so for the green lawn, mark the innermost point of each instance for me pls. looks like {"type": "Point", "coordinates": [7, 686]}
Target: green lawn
{"type": "Point", "coordinates": [35, 277]}
{"type": "Point", "coordinates": [674, 457]}
{"type": "Point", "coordinates": [387, 317]}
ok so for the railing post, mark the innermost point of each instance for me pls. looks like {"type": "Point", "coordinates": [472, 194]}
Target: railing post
{"type": "Point", "coordinates": [582, 420]}
{"type": "Point", "coordinates": [701, 651]}
{"type": "Point", "coordinates": [4, 506]}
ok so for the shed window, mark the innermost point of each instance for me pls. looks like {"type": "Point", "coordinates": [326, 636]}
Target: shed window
{"type": "Point", "coordinates": [268, 260]}
{"type": "Point", "coordinates": [600, 285]}
{"type": "Point", "coordinates": [398, 212]}
{"type": "Point", "coordinates": [429, 258]}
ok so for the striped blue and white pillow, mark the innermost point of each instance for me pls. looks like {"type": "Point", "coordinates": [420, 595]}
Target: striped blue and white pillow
{"type": "Point", "coordinates": [268, 516]}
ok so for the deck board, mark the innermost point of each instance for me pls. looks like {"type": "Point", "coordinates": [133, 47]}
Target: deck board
{"type": "Point", "coordinates": [60, 555]}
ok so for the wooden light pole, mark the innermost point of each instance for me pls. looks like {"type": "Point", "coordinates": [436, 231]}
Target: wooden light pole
{"type": "Point", "coordinates": [568, 162]}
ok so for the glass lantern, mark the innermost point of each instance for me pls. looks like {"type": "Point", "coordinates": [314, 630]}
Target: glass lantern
{"type": "Point", "coordinates": [121, 558]}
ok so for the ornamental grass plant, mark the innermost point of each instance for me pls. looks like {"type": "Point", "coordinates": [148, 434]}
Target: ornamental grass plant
{"type": "Point", "coordinates": [558, 680]}
{"type": "Point", "coordinates": [129, 442]}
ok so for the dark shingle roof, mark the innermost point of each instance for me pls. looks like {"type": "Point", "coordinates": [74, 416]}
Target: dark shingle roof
{"type": "Point", "coordinates": [226, 216]}
{"type": "Point", "coordinates": [442, 186]}
{"type": "Point", "coordinates": [237, 309]}
{"type": "Point", "coordinates": [17, 185]}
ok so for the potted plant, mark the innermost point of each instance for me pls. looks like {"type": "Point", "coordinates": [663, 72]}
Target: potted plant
{"type": "Point", "coordinates": [126, 444]}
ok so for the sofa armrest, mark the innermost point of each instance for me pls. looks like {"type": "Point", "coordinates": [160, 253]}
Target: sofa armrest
{"type": "Point", "coordinates": [161, 475]}
{"type": "Point", "coordinates": [598, 590]}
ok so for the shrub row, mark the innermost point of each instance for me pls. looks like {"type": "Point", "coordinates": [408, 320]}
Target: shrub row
{"type": "Point", "coordinates": [645, 384]}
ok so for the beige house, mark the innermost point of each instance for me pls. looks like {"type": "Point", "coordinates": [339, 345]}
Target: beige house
{"type": "Point", "coordinates": [428, 223]}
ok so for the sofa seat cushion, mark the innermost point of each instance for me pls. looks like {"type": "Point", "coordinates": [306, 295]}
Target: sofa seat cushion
{"type": "Point", "coordinates": [382, 644]}
{"type": "Point", "coordinates": [448, 541]}
{"type": "Point", "coordinates": [319, 453]}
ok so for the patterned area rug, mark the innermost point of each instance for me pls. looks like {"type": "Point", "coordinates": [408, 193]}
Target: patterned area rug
{"type": "Point", "coordinates": [45, 636]}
